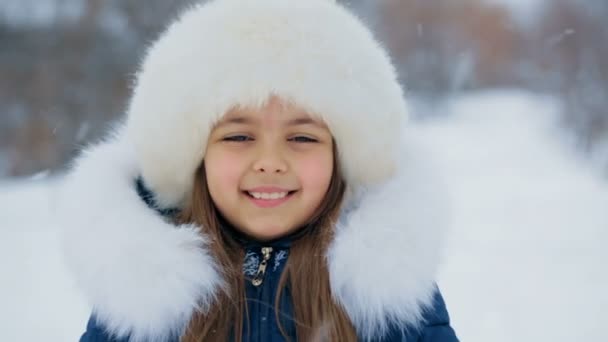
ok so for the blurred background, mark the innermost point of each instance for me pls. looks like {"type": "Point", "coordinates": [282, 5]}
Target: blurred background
{"type": "Point", "coordinates": [66, 65]}
{"type": "Point", "coordinates": [511, 96]}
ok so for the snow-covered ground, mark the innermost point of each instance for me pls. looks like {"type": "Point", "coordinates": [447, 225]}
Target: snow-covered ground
{"type": "Point", "coordinates": [39, 301]}
{"type": "Point", "coordinates": [525, 256]}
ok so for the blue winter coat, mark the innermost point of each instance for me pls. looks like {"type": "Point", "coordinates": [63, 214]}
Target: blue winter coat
{"type": "Point", "coordinates": [436, 329]}
{"type": "Point", "coordinates": [262, 325]}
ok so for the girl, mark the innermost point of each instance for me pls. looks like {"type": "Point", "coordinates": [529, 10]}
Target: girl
{"type": "Point", "coordinates": [259, 189]}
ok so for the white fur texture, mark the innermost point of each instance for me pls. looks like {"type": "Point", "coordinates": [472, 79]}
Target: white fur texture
{"type": "Point", "coordinates": [384, 259]}
{"type": "Point", "coordinates": [144, 277]}
{"type": "Point", "coordinates": [225, 53]}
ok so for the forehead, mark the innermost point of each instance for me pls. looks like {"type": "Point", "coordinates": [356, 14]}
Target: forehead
{"type": "Point", "coordinates": [272, 112]}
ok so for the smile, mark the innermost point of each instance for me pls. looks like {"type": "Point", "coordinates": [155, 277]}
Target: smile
{"type": "Point", "coordinates": [268, 199]}
{"type": "Point", "coordinates": [268, 196]}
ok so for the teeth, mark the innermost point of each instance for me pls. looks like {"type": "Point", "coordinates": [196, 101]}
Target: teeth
{"type": "Point", "coordinates": [268, 196]}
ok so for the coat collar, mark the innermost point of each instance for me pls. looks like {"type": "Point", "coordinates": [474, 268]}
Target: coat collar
{"type": "Point", "coordinates": [144, 276]}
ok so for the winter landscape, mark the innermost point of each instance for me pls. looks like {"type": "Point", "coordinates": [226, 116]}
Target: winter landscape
{"type": "Point", "coordinates": [524, 161]}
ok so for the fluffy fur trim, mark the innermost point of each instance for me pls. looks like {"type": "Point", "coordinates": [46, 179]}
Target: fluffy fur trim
{"type": "Point", "coordinates": [384, 258]}
{"type": "Point", "coordinates": [228, 53]}
{"type": "Point", "coordinates": [144, 277]}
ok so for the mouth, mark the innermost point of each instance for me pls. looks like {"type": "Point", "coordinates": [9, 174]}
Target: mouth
{"type": "Point", "coordinates": [269, 195]}
{"type": "Point", "coordinates": [269, 199]}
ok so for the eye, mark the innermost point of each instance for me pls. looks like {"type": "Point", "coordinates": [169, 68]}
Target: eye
{"type": "Point", "coordinates": [303, 139]}
{"type": "Point", "coordinates": [237, 138]}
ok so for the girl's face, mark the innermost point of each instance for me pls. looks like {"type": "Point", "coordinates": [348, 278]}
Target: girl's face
{"type": "Point", "coordinates": [269, 169]}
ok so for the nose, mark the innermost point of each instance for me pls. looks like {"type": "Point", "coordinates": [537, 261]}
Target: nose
{"type": "Point", "coordinates": [270, 159]}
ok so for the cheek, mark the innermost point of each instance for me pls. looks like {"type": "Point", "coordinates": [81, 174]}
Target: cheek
{"type": "Point", "coordinates": [223, 173]}
{"type": "Point", "coordinates": [315, 173]}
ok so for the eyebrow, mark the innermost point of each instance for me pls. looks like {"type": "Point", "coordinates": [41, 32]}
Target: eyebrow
{"type": "Point", "coordinates": [304, 121]}
{"type": "Point", "coordinates": [235, 120]}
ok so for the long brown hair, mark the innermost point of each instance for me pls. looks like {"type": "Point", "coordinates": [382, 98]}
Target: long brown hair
{"type": "Point", "coordinates": [317, 316]}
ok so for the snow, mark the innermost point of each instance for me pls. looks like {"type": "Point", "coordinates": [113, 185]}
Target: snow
{"type": "Point", "coordinates": [526, 254]}
{"type": "Point", "coordinates": [524, 259]}
{"type": "Point", "coordinates": [39, 301]}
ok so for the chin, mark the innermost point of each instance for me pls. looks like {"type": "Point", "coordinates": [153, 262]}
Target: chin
{"type": "Point", "coordinates": [269, 233]}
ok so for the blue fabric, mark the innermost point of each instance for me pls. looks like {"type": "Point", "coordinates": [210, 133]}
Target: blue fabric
{"type": "Point", "coordinates": [262, 324]}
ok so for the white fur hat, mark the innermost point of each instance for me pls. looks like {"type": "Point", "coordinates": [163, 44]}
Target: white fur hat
{"type": "Point", "coordinates": [223, 53]}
